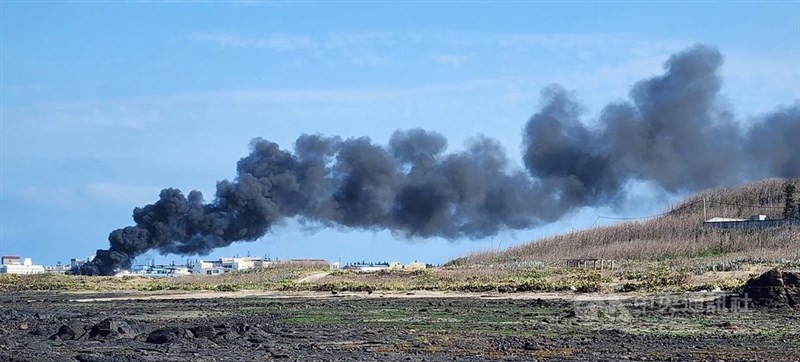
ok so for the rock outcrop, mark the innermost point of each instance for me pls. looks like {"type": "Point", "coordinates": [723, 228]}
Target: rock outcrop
{"type": "Point", "coordinates": [116, 328]}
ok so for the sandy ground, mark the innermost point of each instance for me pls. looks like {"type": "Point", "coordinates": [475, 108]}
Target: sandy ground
{"type": "Point", "coordinates": [313, 277]}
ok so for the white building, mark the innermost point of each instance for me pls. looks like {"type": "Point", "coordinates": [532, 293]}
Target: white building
{"type": "Point", "coordinates": [16, 265]}
{"type": "Point", "coordinates": [159, 271]}
{"type": "Point", "coordinates": [368, 267]}
{"type": "Point", "coordinates": [57, 269]}
{"type": "Point", "coordinates": [410, 266]}
{"type": "Point", "coordinates": [224, 265]}
{"type": "Point", "coordinates": [374, 267]}
{"type": "Point", "coordinates": [755, 222]}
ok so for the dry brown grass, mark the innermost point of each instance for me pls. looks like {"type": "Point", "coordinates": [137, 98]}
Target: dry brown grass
{"type": "Point", "coordinates": [678, 234]}
{"type": "Point", "coordinates": [276, 276]}
{"type": "Point", "coordinates": [463, 279]}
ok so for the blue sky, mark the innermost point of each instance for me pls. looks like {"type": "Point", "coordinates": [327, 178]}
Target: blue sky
{"type": "Point", "coordinates": [104, 104]}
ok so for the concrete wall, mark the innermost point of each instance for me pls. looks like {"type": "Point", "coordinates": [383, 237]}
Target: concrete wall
{"type": "Point", "coordinates": [751, 224]}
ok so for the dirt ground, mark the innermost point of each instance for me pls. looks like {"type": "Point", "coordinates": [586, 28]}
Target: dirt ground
{"type": "Point", "coordinates": [265, 326]}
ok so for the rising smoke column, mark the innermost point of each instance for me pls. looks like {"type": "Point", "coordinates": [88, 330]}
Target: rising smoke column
{"type": "Point", "coordinates": [673, 132]}
{"type": "Point", "coordinates": [411, 187]}
{"type": "Point", "coordinates": [773, 146]}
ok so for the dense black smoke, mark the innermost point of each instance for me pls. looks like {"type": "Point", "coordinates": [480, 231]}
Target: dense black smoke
{"type": "Point", "coordinates": [673, 132]}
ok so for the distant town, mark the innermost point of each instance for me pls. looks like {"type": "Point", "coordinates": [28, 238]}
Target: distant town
{"type": "Point", "coordinates": [18, 265]}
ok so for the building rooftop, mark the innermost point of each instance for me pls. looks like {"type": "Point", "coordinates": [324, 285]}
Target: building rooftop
{"type": "Point", "coordinates": [724, 219]}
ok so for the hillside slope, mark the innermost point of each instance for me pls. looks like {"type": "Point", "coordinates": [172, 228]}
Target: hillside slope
{"type": "Point", "coordinates": [677, 233]}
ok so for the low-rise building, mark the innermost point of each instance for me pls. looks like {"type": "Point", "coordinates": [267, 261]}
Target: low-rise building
{"type": "Point", "coordinates": [414, 266]}
{"type": "Point", "coordinates": [160, 271]}
{"type": "Point", "coordinates": [224, 265]}
{"type": "Point", "coordinates": [59, 268]}
{"type": "Point", "coordinates": [10, 260]}
{"type": "Point", "coordinates": [410, 266]}
{"type": "Point", "coordinates": [755, 222]}
{"type": "Point", "coordinates": [367, 267]}
{"type": "Point", "coordinates": [17, 265]}
{"type": "Point", "coordinates": [374, 267]}
{"type": "Point", "coordinates": [311, 263]}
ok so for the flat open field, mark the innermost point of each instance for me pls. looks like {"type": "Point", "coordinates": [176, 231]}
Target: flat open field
{"type": "Point", "coordinates": [430, 326]}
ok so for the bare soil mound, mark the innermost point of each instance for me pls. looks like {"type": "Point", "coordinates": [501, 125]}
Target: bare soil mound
{"type": "Point", "coordinates": [775, 289]}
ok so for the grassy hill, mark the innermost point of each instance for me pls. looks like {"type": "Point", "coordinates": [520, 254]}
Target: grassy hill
{"type": "Point", "coordinates": [678, 233]}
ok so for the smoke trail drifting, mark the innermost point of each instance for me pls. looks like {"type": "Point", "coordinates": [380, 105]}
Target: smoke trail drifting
{"type": "Point", "coordinates": [673, 132]}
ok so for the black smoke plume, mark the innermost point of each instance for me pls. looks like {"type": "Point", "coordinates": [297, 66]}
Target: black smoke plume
{"type": "Point", "coordinates": [673, 132]}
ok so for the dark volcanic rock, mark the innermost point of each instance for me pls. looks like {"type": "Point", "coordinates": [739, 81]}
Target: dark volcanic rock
{"type": "Point", "coordinates": [774, 289]}
{"type": "Point", "coordinates": [116, 328]}
{"type": "Point", "coordinates": [13, 314]}
{"type": "Point", "coordinates": [169, 335]}
{"type": "Point", "coordinates": [226, 333]}
{"type": "Point", "coordinates": [6, 342]}
{"type": "Point", "coordinates": [791, 282]}
{"type": "Point", "coordinates": [204, 332]}
{"type": "Point", "coordinates": [90, 357]}
{"type": "Point", "coordinates": [69, 332]}
{"type": "Point", "coordinates": [99, 357]}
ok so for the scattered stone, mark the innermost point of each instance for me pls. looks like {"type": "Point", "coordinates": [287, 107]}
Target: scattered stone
{"type": "Point", "coordinates": [169, 335]}
{"type": "Point", "coordinates": [93, 357]}
{"type": "Point", "coordinates": [279, 355]}
{"type": "Point", "coordinates": [208, 332]}
{"type": "Point", "coordinates": [116, 328]}
{"type": "Point", "coordinates": [6, 342]}
{"type": "Point", "coordinates": [11, 314]}
{"type": "Point", "coordinates": [66, 332]}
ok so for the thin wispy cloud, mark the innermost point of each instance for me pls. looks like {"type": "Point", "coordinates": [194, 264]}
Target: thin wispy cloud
{"type": "Point", "coordinates": [369, 59]}
{"type": "Point", "coordinates": [121, 194]}
{"type": "Point", "coordinates": [330, 41]}
{"type": "Point", "coordinates": [338, 41]}
{"type": "Point", "coordinates": [108, 114]}
{"type": "Point", "coordinates": [61, 197]}
{"type": "Point", "coordinates": [448, 59]}
{"type": "Point", "coordinates": [77, 197]}
{"type": "Point", "coordinates": [597, 85]}
{"type": "Point", "coordinates": [395, 48]}
{"type": "Point", "coordinates": [276, 42]}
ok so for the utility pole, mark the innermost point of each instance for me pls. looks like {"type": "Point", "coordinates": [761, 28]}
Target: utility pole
{"type": "Point", "coordinates": [704, 208]}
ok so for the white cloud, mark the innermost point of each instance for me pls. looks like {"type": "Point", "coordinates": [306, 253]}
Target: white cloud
{"type": "Point", "coordinates": [557, 40]}
{"type": "Point", "coordinates": [369, 59]}
{"type": "Point", "coordinates": [276, 42]}
{"type": "Point", "coordinates": [761, 81]}
{"type": "Point", "coordinates": [61, 197]}
{"type": "Point", "coordinates": [448, 59]}
{"type": "Point", "coordinates": [120, 113]}
{"type": "Point", "coordinates": [77, 197]}
{"type": "Point", "coordinates": [122, 194]}
{"type": "Point", "coordinates": [600, 67]}
{"type": "Point", "coordinates": [365, 39]}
